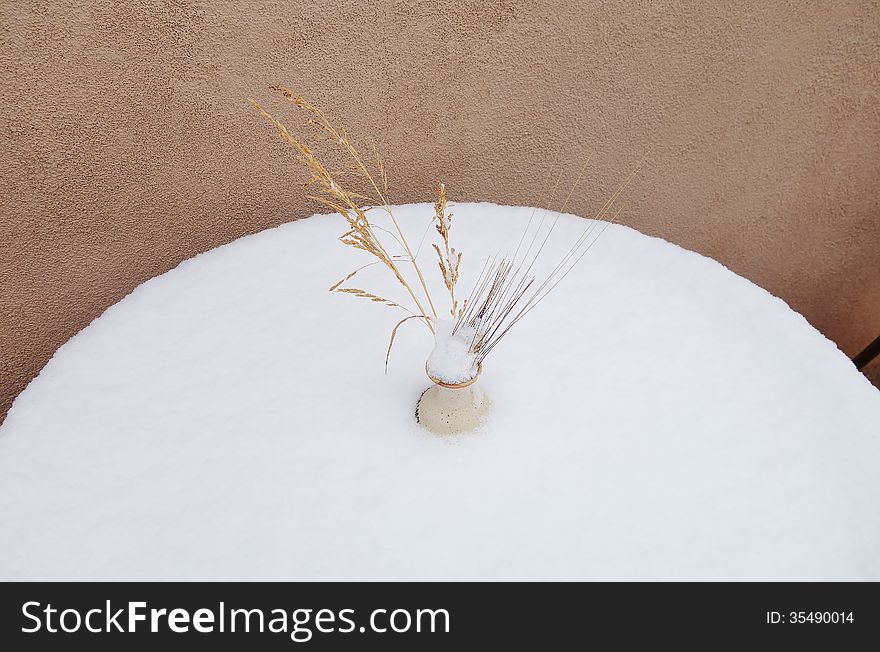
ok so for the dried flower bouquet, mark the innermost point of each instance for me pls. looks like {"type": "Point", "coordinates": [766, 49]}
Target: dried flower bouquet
{"type": "Point", "coordinates": [506, 289]}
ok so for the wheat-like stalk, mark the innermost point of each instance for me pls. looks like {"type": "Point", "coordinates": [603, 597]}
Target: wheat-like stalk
{"type": "Point", "coordinates": [506, 291]}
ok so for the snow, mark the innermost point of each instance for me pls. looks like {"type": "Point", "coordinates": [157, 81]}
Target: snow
{"type": "Point", "coordinates": [451, 360]}
{"type": "Point", "coordinates": [656, 417]}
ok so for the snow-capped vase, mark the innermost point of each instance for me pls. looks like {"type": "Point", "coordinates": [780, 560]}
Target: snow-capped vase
{"type": "Point", "coordinates": [451, 409]}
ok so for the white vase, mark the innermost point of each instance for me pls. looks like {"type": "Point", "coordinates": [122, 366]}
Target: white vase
{"type": "Point", "coordinates": [447, 409]}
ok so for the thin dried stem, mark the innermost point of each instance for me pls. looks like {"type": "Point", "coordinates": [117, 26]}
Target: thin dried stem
{"type": "Point", "coordinates": [362, 233]}
{"type": "Point", "coordinates": [320, 120]}
{"type": "Point", "coordinates": [393, 335]}
{"type": "Point", "coordinates": [449, 259]}
{"type": "Point", "coordinates": [506, 291]}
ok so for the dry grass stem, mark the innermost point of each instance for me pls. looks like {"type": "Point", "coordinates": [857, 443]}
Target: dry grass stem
{"type": "Point", "coordinates": [353, 206]}
{"type": "Point", "coordinates": [393, 335]}
{"type": "Point", "coordinates": [448, 259]}
{"type": "Point", "coordinates": [372, 297]}
{"type": "Point", "coordinates": [319, 119]}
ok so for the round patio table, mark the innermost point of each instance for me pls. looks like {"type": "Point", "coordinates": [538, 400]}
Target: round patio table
{"type": "Point", "coordinates": [656, 417]}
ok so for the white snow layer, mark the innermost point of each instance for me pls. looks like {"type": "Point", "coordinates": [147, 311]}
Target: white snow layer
{"type": "Point", "coordinates": [657, 417]}
{"type": "Point", "coordinates": [451, 360]}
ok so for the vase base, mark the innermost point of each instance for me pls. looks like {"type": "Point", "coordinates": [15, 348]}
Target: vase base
{"type": "Point", "coordinates": [446, 411]}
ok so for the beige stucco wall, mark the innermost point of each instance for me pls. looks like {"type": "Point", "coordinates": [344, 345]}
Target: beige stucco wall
{"type": "Point", "coordinates": [128, 144]}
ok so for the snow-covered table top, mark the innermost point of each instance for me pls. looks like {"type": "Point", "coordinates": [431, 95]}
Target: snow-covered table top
{"type": "Point", "coordinates": [656, 417]}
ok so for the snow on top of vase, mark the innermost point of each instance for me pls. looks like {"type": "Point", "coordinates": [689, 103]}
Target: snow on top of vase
{"type": "Point", "coordinates": [452, 361]}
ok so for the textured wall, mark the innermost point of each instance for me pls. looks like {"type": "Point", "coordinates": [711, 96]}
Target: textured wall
{"type": "Point", "coordinates": [128, 144]}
